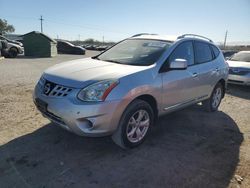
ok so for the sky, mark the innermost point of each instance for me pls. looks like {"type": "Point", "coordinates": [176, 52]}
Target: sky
{"type": "Point", "coordinates": [115, 20]}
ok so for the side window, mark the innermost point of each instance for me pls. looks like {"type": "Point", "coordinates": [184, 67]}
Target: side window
{"type": "Point", "coordinates": [183, 51]}
{"type": "Point", "coordinates": [215, 50]}
{"type": "Point", "coordinates": [202, 52]}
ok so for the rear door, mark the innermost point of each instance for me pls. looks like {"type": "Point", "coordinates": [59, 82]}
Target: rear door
{"type": "Point", "coordinates": [206, 68]}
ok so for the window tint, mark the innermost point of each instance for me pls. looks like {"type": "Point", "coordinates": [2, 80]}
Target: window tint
{"type": "Point", "coordinates": [202, 52]}
{"type": "Point", "coordinates": [183, 51]}
{"type": "Point", "coordinates": [215, 50]}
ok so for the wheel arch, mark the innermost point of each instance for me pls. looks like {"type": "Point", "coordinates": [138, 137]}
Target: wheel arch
{"type": "Point", "coordinates": [13, 47]}
{"type": "Point", "coordinates": [223, 83]}
{"type": "Point", "coordinates": [151, 101]}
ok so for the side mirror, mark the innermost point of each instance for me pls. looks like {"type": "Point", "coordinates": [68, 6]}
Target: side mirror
{"type": "Point", "coordinates": [178, 64]}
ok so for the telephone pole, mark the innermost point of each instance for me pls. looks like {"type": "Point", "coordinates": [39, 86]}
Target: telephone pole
{"type": "Point", "coordinates": [225, 40]}
{"type": "Point", "coordinates": [41, 19]}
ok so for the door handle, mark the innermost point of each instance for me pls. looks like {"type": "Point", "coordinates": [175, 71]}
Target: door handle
{"type": "Point", "coordinates": [217, 70]}
{"type": "Point", "coordinates": [194, 75]}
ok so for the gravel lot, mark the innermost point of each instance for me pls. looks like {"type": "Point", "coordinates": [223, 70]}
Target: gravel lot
{"type": "Point", "coordinates": [189, 148]}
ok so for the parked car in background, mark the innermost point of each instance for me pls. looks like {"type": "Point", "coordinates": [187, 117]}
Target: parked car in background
{"type": "Point", "coordinates": [84, 46]}
{"type": "Point", "coordinates": [239, 68]}
{"type": "Point", "coordinates": [101, 48]}
{"type": "Point", "coordinates": [11, 41]}
{"type": "Point", "coordinates": [123, 90]}
{"type": "Point", "coordinates": [228, 53]}
{"type": "Point", "coordinates": [10, 49]}
{"type": "Point", "coordinates": [91, 47]}
{"type": "Point", "coordinates": [65, 47]}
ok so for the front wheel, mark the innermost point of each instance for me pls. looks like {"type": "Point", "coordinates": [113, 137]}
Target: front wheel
{"type": "Point", "coordinates": [134, 124]}
{"type": "Point", "coordinates": [13, 53]}
{"type": "Point", "coordinates": [214, 101]}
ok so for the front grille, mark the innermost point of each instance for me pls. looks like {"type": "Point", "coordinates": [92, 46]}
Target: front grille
{"type": "Point", "coordinates": [236, 81]}
{"type": "Point", "coordinates": [52, 89]}
{"type": "Point", "coordinates": [239, 71]}
{"type": "Point", "coordinates": [60, 91]}
{"type": "Point", "coordinates": [41, 83]}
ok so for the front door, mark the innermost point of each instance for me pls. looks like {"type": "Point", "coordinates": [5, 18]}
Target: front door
{"type": "Point", "coordinates": [179, 87]}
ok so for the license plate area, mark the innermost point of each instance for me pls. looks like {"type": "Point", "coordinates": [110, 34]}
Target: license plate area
{"type": "Point", "coordinates": [41, 105]}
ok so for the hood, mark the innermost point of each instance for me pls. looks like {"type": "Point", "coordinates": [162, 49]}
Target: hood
{"type": "Point", "coordinates": [82, 72]}
{"type": "Point", "coordinates": [16, 42]}
{"type": "Point", "coordinates": [241, 64]}
{"type": "Point", "coordinates": [10, 44]}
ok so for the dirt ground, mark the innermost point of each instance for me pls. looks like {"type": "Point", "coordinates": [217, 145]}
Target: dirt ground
{"type": "Point", "coordinates": [189, 148]}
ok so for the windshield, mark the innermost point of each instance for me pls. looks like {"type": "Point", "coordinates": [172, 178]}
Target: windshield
{"type": "Point", "coordinates": [241, 56]}
{"type": "Point", "coordinates": [135, 52]}
{"type": "Point", "coordinates": [3, 38]}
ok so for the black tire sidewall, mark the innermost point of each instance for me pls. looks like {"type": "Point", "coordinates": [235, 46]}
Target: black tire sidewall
{"type": "Point", "coordinates": [13, 52]}
{"type": "Point", "coordinates": [131, 109]}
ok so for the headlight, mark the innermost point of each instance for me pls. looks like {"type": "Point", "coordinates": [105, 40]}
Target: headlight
{"type": "Point", "coordinates": [97, 91]}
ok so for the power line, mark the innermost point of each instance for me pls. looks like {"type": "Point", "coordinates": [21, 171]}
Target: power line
{"type": "Point", "coordinates": [85, 26]}
{"type": "Point", "coordinates": [62, 22]}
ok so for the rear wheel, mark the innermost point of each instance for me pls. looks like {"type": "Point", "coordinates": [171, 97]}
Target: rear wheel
{"type": "Point", "coordinates": [134, 124]}
{"type": "Point", "coordinates": [214, 101]}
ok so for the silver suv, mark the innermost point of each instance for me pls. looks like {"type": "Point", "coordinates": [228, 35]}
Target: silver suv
{"type": "Point", "coordinates": [122, 91]}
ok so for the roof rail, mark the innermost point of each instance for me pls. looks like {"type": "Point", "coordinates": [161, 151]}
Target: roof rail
{"type": "Point", "coordinates": [137, 35]}
{"type": "Point", "coordinates": [198, 36]}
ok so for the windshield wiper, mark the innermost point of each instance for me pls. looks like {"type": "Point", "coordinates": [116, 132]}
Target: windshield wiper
{"type": "Point", "coordinates": [95, 57]}
{"type": "Point", "coordinates": [112, 61]}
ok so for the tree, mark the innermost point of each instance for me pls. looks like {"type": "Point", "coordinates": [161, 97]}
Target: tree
{"type": "Point", "coordinates": [89, 41]}
{"type": "Point", "coordinates": [5, 27]}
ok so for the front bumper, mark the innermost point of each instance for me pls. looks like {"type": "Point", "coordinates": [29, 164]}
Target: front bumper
{"type": "Point", "coordinates": [82, 118]}
{"type": "Point", "coordinates": [21, 50]}
{"type": "Point", "coordinates": [239, 79]}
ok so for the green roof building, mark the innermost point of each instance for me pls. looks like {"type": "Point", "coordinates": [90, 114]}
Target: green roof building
{"type": "Point", "coordinates": [37, 44]}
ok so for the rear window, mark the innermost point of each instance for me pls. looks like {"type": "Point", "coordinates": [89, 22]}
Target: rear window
{"type": "Point", "coordinates": [202, 52]}
{"type": "Point", "coordinates": [215, 50]}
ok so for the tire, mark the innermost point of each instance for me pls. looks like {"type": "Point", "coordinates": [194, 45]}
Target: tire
{"type": "Point", "coordinates": [214, 101]}
{"type": "Point", "coordinates": [134, 124]}
{"type": "Point", "coordinates": [13, 52]}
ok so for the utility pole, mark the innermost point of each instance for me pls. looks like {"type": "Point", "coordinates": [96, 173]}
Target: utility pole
{"type": "Point", "coordinates": [41, 19]}
{"type": "Point", "coordinates": [225, 40]}
{"type": "Point", "coordinates": [102, 40]}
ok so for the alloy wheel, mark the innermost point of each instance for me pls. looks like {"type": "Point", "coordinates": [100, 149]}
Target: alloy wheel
{"type": "Point", "coordinates": [217, 97]}
{"type": "Point", "coordinates": [138, 126]}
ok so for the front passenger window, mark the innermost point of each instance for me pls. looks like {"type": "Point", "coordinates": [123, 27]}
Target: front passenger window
{"type": "Point", "coordinates": [183, 51]}
{"type": "Point", "coordinates": [202, 52]}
